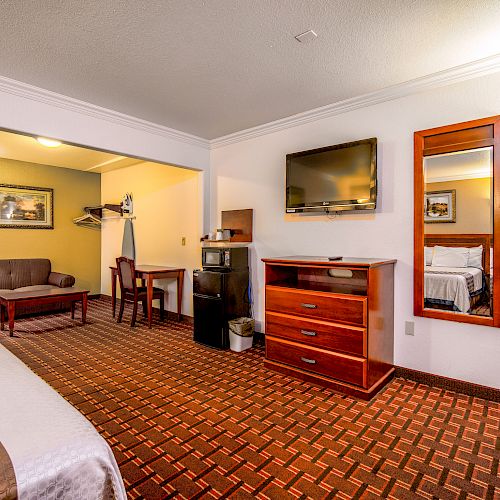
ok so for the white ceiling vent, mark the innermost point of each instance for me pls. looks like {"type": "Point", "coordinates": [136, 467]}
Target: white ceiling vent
{"type": "Point", "coordinates": [307, 36]}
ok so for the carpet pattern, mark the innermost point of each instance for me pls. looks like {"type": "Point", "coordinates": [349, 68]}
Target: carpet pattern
{"type": "Point", "coordinates": [186, 421]}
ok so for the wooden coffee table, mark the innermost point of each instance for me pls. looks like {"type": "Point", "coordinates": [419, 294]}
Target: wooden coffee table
{"type": "Point", "coordinates": [9, 300]}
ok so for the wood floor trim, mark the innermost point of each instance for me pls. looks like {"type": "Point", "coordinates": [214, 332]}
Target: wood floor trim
{"type": "Point", "coordinates": [450, 384]}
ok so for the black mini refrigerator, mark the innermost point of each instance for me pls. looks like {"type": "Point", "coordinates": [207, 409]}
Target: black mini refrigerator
{"type": "Point", "coordinates": [218, 295]}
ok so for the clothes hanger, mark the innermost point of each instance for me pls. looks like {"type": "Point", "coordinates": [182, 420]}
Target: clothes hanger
{"type": "Point", "coordinates": [88, 219]}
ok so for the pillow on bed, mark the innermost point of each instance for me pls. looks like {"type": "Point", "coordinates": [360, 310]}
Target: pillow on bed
{"type": "Point", "coordinates": [428, 256]}
{"type": "Point", "coordinates": [450, 257]}
{"type": "Point", "coordinates": [475, 257]}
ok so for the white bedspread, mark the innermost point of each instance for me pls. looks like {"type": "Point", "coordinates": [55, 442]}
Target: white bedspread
{"type": "Point", "coordinates": [451, 287]}
{"type": "Point", "coordinates": [55, 451]}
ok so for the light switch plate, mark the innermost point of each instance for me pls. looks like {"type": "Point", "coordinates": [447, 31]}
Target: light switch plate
{"type": "Point", "coordinates": [409, 328]}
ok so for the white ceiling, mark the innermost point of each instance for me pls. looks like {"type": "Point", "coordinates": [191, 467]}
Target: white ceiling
{"type": "Point", "coordinates": [26, 148]}
{"type": "Point", "coordinates": [215, 67]}
{"type": "Point", "coordinates": [472, 164]}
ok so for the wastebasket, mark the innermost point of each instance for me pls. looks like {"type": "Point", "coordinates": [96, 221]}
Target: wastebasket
{"type": "Point", "coordinates": [241, 334]}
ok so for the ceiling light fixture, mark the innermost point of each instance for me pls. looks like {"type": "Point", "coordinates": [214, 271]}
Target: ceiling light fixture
{"type": "Point", "coordinates": [49, 143]}
{"type": "Point", "coordinates": [307, 36]}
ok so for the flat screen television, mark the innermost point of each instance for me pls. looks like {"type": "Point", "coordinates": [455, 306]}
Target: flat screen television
{"type": "Point", "coordinates": [341, 177]}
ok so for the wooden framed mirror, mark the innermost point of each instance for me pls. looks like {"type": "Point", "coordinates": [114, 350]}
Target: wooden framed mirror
{"type": "Point", "coordinates": [456, 217]}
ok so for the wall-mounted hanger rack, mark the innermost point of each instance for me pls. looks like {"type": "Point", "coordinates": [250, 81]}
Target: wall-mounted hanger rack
{"type": "Point", "coordinates": [122, 217]}
{"type": "Point", "coordinates": [97, 210]}
{"type": "Point", "coordinates": [94, 214]}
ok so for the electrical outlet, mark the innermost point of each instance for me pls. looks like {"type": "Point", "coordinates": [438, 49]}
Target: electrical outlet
{"type": "Point", "coordinates": [183, 241]}
{"type": "Point", "coordinates": [409, 328]}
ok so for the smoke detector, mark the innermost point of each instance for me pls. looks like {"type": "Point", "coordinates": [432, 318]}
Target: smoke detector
{"type": "Point", "coordinates": [307, 36]}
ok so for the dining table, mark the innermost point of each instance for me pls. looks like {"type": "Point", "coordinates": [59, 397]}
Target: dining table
{"type": "Point", "coordinates": [147, 274]}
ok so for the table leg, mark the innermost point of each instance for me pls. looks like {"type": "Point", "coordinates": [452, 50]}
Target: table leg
{"type": "Point", "coordinates": [11, 309]}
{"type": "Point", "coordinates": [113, 291]}
{"type": "Point", "coordinates": [72, 309]}
{"type": "Point", "coordinates": [2, 316]}
{"type": "Point", "coordinates": [84, 308]}
{"type": "Point", "coordinates": [180, 288]}
{"type": "Point", "coordinates": [150, 300]}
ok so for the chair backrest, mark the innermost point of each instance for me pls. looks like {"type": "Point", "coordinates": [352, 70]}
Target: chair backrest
{"type": "Point", "coordinates": [126, 274]}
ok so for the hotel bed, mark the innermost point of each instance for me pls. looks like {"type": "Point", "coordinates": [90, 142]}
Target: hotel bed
{"type": "Point", "coordinates": [453, 284]}
{"type": "Point", "coordinates": [47, 448]}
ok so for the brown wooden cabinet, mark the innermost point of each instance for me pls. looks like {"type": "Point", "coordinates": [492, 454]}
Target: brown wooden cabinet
{"type": "Point", "coordinates": [331, 322]}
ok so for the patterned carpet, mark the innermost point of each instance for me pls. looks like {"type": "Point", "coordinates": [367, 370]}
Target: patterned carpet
{"type": "Point", "coordinates": [186, 421]}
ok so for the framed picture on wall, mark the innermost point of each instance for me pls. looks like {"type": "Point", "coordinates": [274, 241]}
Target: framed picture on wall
{"type": "Point", "coordinates": [440, 206]}
{"type": "Point", "coordinates": [26, 207]}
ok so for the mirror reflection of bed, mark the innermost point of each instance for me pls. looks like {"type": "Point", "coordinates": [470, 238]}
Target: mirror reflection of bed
{"type": "Point", "coordinates": [458, 273]}
{"type": "Point", "coordinates": [458, 226]}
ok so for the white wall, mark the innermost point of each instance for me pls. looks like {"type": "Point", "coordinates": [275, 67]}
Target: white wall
{"type": "Point", "coordinates": [167, 206]}
{"type": "Point", "coordinates": [250, 174]}
{"type": "Point", "coordinates": [34, 111]}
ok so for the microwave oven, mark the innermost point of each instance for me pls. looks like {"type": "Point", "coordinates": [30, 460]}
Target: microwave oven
{"type": "Point", "coordinates": [228, 258]}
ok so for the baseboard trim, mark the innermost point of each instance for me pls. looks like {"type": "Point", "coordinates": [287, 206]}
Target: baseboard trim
{"type": "Point", "coordinates": [94, 296]}
{"type": "Point", "coordinates": [184, 317]}
{"type": "Point", "coordinates": [450, 384]}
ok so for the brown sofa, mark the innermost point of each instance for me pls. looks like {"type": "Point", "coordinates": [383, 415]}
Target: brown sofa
{"type": "Point", "coordinates": [33, 274]}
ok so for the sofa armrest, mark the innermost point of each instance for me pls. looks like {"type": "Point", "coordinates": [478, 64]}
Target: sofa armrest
{"type": "Point", "coordinates": [61, 280]}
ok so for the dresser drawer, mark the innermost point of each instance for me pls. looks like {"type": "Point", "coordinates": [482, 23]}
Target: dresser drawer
{"type": "Point", "coordinates": [317, 333]}
{"type": "Point", "coordinates": [320, 305]}
{"type": "Point", "coordinates": [338, 366]}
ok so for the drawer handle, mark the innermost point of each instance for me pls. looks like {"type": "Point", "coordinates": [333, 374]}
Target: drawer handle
{"type": "Point", "coordinates": [308, 333]}
{"type": "Point", "coordinates": [307, 360]}
{"type": "Point", "coordinates": [309, 306]}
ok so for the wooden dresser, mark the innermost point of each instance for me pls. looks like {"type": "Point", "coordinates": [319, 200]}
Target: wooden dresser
{"type": "Point", "coordinates": [331, 322]}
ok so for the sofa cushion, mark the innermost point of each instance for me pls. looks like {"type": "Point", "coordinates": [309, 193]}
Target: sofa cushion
{"type": "Point", "coordinates": [29, 272]}
{"type": "Point", "coordinates": [61, 280]}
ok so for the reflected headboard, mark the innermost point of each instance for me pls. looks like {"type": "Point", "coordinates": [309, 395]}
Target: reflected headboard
{"type": "Point", "coordinates": [463, 240]}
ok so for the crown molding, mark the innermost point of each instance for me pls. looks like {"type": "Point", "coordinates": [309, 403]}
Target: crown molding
{"type": "Point", "coordinates": [442, 78]}
{"type": "Point", "coordinates": [38, 94]}
{"type": "Point", "coordinates": [456, 74]}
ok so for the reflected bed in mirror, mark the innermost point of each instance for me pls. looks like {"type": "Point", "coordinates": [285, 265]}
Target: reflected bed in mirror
{"type": "Point", "coordinates": [457, 273]}
{"type": "Point", "coordinates": [458, 204]}
{"type": "Point", "coordinates": [454, 222]}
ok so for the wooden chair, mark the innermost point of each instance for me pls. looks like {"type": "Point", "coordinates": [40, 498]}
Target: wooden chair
{"type": "Point", "coordinates": [131, 292]}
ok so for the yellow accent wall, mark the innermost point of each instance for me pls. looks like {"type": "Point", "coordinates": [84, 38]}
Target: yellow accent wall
{"type": "Point", "coordinates": [72, 249]}
{"type": "Point", "coordinates": [168, 207]}
{"type": "Point", "coordinates": [474, 207]}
